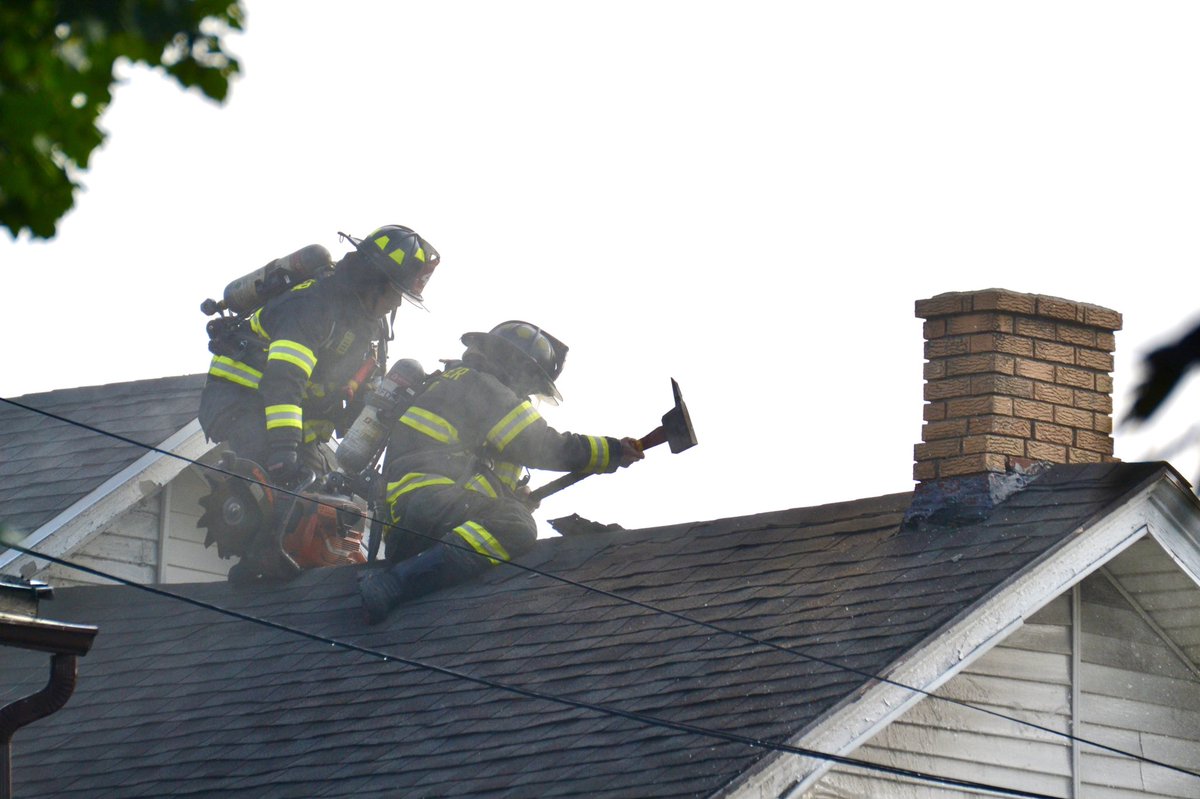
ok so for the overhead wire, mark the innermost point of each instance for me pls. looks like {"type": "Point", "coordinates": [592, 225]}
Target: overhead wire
{"type": "Point", "coordinates": [639, 603]}
{"type": "Point", "coordinates": [529, 693]}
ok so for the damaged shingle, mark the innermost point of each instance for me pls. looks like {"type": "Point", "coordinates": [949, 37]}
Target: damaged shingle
{"type": "Point", "coordinates": [962, 500]}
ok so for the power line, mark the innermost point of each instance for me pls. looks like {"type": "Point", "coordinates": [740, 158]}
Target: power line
{"type": "Point", "coordinates": [528, 693]}
{"type": "Point", "coordinates": [645, 605]}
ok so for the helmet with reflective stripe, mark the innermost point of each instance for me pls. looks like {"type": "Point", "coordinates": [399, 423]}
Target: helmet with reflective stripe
{"type": "Point", "coordinates": [402, 256]}
{"type": "Point", "coordinates": [530, 357]}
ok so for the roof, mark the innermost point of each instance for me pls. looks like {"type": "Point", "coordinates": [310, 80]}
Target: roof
{"type": "Point", "coordinates": [177, 700]}
{"type": "Point", "coordinates": [48, 465]}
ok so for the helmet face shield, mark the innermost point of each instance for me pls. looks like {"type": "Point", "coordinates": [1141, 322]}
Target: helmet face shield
{"type": "Point", "coordinates": [420, 276]}
{"type": "Point", "coordinates": [405, 259]}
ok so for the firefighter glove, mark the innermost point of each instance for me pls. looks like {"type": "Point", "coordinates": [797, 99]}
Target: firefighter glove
{"type": "Point", "coordinates": [283, 466]}
{"type": "Point", "coordinates": [631, 451]}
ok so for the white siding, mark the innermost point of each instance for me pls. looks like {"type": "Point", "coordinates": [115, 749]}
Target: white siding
{"type": "Point", "coordinates": [1137, 692]}
{"type": "Point", "coordinates": [1168, 595]}
{"type": "Point", "coordinates": [188, 561]}
{"type": "Point", "coordinates": [128, 546]}
{"type": "Point", "coordinates": [1026, 677]}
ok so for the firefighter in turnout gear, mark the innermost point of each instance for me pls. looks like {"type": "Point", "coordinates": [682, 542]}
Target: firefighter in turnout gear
{"type": "Point", "coordinates": [457, 459]}
{"type": "Point", "coordinates": [281, 376]}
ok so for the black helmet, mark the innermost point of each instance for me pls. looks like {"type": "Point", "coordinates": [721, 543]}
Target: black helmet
{"type": "Point", "coordinates": [401, 256]}
{"type": "Point", "coordinates": [530, 357]}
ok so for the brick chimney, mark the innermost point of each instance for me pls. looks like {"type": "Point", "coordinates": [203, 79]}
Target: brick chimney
{"type": "Point", "coordinates": [1013, 380]}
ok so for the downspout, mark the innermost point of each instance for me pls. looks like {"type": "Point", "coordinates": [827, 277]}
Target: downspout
{"type": "Point", "coordinates": [21, 627]}
{"type": "Point", "coordinates": [17, 714]}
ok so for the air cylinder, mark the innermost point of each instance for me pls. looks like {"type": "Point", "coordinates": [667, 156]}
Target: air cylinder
{"type": "Point", "coordinates": [250, 291]}
{"type": "Point", "coordinates": [366, 438]}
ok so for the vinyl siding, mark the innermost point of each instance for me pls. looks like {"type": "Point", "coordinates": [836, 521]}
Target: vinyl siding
{"type": "Point", "coordinates": [188, 561]}
{"type": "Point", "coordinates": [128, 546]}
{"type": "Point", "coordinates": [1168, 596]}
{"type": "Point", "coordinates": [1026, 677]}
{"type": "Point", "coordinates": [1136, 693]}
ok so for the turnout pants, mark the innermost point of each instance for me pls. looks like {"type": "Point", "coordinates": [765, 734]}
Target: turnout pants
{"type": "Point", "coordinates": [240, 424]}
{"type": "Point", "coordinates": [475, 530]}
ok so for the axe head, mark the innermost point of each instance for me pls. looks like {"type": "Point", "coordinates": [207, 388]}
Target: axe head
{"type": "Point", "coordinates": [677, 424]}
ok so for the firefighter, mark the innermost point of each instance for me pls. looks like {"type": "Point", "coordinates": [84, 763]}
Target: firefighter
{"type": "Point", "coordinates": [278, 382]}
{"type": "Point", "coordinates": [457, 459]}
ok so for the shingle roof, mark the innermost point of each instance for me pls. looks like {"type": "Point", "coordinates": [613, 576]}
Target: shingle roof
{"type": "Point", "coordinates": [47, 465]}
{"type": "Point", "coordinates": [175, 700]}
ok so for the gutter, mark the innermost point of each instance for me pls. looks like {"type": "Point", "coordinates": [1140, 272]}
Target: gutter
{"type": "Point", "coordinates": [20, 627]}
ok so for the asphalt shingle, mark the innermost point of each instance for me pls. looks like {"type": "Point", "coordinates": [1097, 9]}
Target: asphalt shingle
{"type": "Point", "coordinates": [176, 700]}
{"type": "Point", "coordinates": [46, 465]}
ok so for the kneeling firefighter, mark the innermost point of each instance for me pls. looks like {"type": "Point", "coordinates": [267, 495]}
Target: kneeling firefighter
{"type": "Point", "coordinates": [284, 372]}
{"type": "Point", "coordinates": [456, 468]}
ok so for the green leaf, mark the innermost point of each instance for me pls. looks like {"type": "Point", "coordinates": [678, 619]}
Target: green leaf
{"type": "Point", "coordinates": [56, 77]}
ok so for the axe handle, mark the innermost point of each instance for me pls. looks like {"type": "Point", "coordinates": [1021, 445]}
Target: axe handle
{"type": "Point", "coordinates": [556, 485]}
{"type": "Point", "coordinates": [652, 439]}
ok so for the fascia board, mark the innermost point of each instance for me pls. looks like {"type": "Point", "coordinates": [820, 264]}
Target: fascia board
{"type": "Point", "coordinates": [1180, 538]}
{"type": "Point", "coordinates": [91, 513]}
{"type": "Point", "coordinates": [856, 720]}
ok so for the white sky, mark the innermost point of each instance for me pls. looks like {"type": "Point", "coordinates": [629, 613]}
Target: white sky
{"type": "Point", "coordinates": [746, 196]}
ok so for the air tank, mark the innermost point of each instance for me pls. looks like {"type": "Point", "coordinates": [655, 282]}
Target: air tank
{"type": "Point", "coordinates": [250, 291]}
{"type": "Point", "coordinates": [366, 438]}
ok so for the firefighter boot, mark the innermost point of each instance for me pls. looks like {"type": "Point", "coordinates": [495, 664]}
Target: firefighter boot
{"type": "Point", "coordinates": [380, 592]}
{"type": "Point", "coordinates": [437, 567]}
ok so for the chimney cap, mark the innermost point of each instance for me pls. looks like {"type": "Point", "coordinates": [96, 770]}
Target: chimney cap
{"type": "Point", "coordinates": [952, 303]}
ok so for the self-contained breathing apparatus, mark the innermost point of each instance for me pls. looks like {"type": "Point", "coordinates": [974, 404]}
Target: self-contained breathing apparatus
{"type": "Point", "coordinates": [277, 532]}
{"type": "Point", "coordinates": [359, 451]}
{"type": "Point", "coordinates": [229, 333]}
{"type": "Point", "coordinates": [250, 291]}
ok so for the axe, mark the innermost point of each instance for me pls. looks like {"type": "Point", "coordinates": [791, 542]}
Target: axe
{"type": "Point", "coordinates": [675, 430]}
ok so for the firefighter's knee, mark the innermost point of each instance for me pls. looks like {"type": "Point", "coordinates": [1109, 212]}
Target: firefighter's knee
{"type": "Point", "coordinates": [501, 532]}
{"type": "Point", "coordinates": [474, 537]}
{"type": "Point", "coordinates": [522, 532]}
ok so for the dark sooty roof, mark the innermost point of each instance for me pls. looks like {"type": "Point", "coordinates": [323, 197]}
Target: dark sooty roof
{"type": "Point", "coordinates": [177, 700]}
{"type": "Point", "coordinates": [47, 465]}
